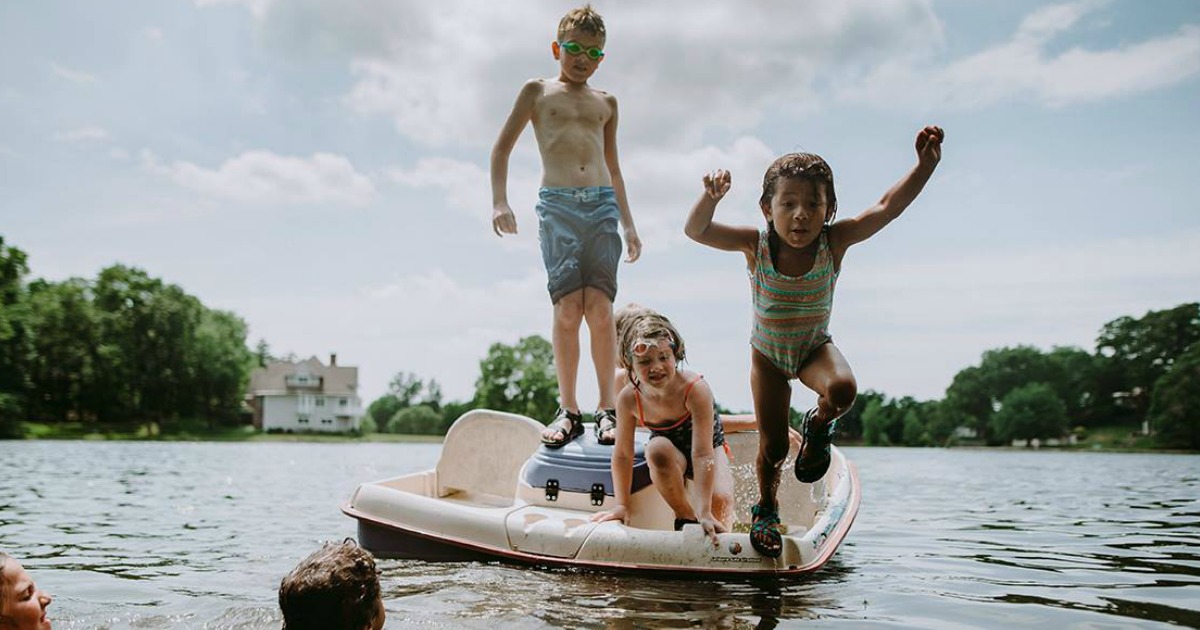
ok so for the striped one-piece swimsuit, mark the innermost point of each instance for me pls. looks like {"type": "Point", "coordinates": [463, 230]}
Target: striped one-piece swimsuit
{"type": "Point", "coordinates": [791, 313]}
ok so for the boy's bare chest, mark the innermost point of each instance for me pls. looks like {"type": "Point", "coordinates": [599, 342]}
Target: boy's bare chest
{"type": "Point", "coordinates": [567, 109]}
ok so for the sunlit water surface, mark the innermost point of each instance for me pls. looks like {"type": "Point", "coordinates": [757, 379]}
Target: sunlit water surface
{"type": "Point", "coordinates": [198, 535]}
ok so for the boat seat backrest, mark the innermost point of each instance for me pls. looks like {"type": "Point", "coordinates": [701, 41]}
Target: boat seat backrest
{"type": "Point", "coordinates": [484, 451]}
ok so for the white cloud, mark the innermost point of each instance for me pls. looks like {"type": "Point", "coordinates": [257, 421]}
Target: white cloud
{"type": "Point", "coordinates": [463, 182]}
{"type": "Point", "coordinates": [82, 135]}
{"type": "Point", "coordinates": [74, 76]}
{"type": "Point", "coordinates": [153, 33]}
{"type": "Point", "coordinates": [256, 7]}
{"type": "Point", "coordinates": [443, 76]}
{"type": "Point", "coordinates": [1023, 68]}
{"type": "Point", "coordinates": [262, 176]}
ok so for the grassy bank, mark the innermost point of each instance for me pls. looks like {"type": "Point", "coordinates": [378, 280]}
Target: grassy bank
{"type": "Point", "coordinates": [1115, 438]}
{"type": "Point", "coordinates": [194, 431]}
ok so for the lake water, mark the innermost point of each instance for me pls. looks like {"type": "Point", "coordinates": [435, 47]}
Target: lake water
{"type": "Point", "coordinates": [198, 535]}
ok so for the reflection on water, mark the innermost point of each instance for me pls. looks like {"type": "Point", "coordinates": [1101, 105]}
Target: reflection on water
{"type": "Point", "coordinates": [198, 536]}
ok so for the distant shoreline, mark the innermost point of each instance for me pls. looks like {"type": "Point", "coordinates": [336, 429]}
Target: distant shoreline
{"type": "Point", "coordinates": [192, 431]}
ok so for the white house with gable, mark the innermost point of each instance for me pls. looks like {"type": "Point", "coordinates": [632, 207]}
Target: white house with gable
{"type": "Point", "coordinates": [305, 396]}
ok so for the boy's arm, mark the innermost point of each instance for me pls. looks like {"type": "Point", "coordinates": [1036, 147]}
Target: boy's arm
{"type": "Point", "coordinates": [503, 220]}
{"type": "Point", "coordinates": [855, 230]}
{"type": "Point", "coordinates": [633, 244]}
{"type": "Point", "coordinates": [701, 228]}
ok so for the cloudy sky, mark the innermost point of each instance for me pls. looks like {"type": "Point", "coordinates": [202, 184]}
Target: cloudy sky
{"type": "Point", "coordinates": [320, 166]}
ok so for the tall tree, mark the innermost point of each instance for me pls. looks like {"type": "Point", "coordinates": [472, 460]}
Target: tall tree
{"type": "Point", "coordinates": [977, 391]}
{"type": "Point", "coordinates": [65, 332]}
{"type": "Point", "coordinates": [1175, 411]}
{"type": "Point", "coordinates": [147, 330]}
{"type": "Point", "coordinates": [1073, 374]}
{"type": "Point", "coordinates": [219, 366]}
{"type": "Point", "coordinates": [405, 390]}
{"type": "Point", "coordinates": [14, 341]}
{"type": "Point", "coordinates": [519, 378]}
{"type": "Point", "coordinates": [970, 399]}
{"type": "Point", "coordinates": [1030, 411]}
{"type": "Point", "coordinates": [1141, 351]}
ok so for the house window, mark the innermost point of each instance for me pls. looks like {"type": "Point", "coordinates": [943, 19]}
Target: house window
{"type": "Point", "coordinates": [320, 401]}
{"type": "Point", "coordinates": [343, 402]}
{"type": "Point", "coordinates": [326, 421]}
{"type": "Point", "coordinates": [302, 419]}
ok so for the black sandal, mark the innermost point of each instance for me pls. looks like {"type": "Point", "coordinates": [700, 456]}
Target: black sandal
{"type": "Point", "coordinates": [812, 462]}
{"type": "Point", "coordinates": [765, 525]}
{"type": "Point", "coordinates": [606, 423]}
{"type": "Point", "coordinates": [570, 425]}
{"type": "Point", "coordinates": [680, 522]}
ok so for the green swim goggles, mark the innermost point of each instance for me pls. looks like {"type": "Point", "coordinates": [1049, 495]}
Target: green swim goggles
{"type": "Point", "coordinates": [574, 48]}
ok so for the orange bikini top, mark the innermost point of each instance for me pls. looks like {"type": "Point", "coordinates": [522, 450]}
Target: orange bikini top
{"type": "Point", "coordinates": [687, 415]}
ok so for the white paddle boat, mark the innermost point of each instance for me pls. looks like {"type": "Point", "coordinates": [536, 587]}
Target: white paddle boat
{"type": "Point", "coordinates": [498, 494]}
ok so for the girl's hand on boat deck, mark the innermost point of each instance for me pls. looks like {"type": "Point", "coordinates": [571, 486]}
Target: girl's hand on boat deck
{"type": "Point", "coordinates": [712, 527]}
{"type": "Point", "coordinates": [618, 513]}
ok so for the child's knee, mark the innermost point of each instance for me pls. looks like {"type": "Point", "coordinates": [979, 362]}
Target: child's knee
{"type": "Point", "coordinates": [596, 306]}
{"type": "Point", "coordinates": [774, 451]}
{"type": "Point", "coordinates": [660, 456]}
{"type": "Point", "coordinates": [569, 309]}
{"type": "Point", "coordinates": [842, 391]}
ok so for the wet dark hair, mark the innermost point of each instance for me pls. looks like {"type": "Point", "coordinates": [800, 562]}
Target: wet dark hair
{"type": "Point", "coordinates": [334, 588]}
{"type": "Point", "coordinates": [805, 167]}
{"type": "Point", "coordinates": [638, 323]}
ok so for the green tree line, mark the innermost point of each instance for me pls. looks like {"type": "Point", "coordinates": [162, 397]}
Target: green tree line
{"type": "Point", "coordinates": [1143, 369]}
{"type": "Point", "coordinates": [123, 347]}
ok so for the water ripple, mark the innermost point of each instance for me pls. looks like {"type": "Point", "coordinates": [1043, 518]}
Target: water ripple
{"type": "Point", "coordinates": [130, 535]}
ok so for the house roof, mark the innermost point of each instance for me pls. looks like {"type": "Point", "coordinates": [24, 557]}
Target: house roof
{"type": "Point", "coordinates": [271, 378]}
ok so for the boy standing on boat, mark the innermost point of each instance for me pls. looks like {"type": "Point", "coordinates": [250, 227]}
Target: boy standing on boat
{"type": "Point", "coordinates": [580, 204]}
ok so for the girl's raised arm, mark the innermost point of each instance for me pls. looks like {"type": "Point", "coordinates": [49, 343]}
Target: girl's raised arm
{"type": "Point", "coordinates": [700, 226]}
{"type": "Point", "coordinates": [855, 230]}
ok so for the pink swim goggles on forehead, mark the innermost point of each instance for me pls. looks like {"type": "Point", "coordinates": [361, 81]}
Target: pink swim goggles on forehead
{"type": "Point", "coordinates": [643, 346]}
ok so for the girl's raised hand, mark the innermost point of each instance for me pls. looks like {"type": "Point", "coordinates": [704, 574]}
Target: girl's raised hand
{"type": "Point", "coordinates": [929, 145]}
{"type": "Point", "coordinates": [717, 183]}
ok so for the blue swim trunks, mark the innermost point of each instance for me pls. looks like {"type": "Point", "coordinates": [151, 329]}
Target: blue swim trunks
{"type": "Point", "coordinates": [577, 228]}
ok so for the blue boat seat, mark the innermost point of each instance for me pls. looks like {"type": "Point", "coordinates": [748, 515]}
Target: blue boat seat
{"type": "Point", "coordinates": [581, 464]}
